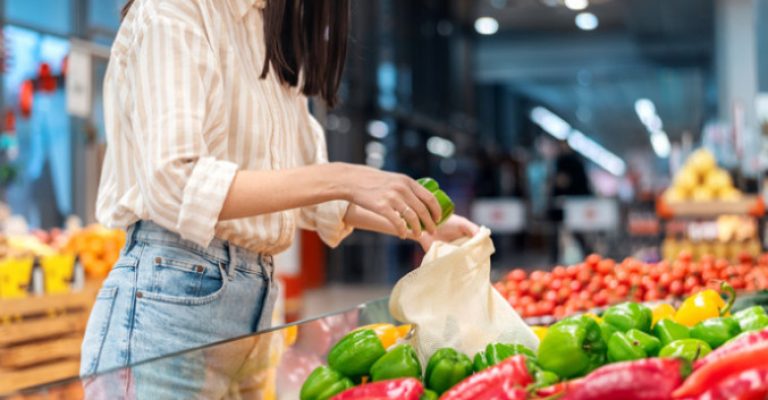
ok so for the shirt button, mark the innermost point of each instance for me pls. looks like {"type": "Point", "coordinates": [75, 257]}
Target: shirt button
{"type": "Point", "coordinates": [139, 295]}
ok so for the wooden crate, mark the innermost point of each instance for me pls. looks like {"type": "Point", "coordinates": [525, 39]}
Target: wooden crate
{"type": "Point", "coordinates": [40, 338]}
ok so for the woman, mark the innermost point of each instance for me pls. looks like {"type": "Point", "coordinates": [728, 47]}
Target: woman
{"type": "Point", "coordinates": [214, 159]}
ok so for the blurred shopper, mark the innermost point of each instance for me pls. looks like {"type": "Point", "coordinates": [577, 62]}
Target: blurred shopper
{"type": "Point", "coordinates": [569, 178]}
{"type": "Point", "coordinates": [213, 161]}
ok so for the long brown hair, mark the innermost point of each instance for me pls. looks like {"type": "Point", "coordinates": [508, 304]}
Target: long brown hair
{"type": "Point", "coordinates": [304, 39]}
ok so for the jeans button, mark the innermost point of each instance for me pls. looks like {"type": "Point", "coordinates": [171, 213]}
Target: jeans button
{"type": "Point", "coordinates": [139, 295]}
{"type": "Point", "coordinates": [200, 269]}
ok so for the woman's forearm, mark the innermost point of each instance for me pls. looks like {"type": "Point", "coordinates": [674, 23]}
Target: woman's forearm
{"type": "Point", "coordinates": [255, 193]}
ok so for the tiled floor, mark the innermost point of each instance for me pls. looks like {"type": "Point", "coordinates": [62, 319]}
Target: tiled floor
{"type": "Point", "coordinates": [339, 297]}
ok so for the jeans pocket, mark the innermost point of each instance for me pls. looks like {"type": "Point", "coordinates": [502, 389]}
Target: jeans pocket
{"type": "Point", "coordinates": [180, 276]}
{"type": "Point", "coordinates": [96, 331]}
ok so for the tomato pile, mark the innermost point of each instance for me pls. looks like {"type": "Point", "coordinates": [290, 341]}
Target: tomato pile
{"type": "Point", "coordinates": [599, 282]}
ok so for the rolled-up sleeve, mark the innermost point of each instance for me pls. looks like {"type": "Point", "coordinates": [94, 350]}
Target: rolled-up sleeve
{"type": "Point", "coordinates": [176, 83]}
{"type": "Point", "coordinates": [327, 219]}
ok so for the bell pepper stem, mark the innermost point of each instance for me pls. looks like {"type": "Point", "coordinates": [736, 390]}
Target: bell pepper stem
{"type": "Point", "coordinates": [728, 289]}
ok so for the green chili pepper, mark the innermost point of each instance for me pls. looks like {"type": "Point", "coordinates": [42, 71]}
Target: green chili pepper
{"type": "Point", "coordinates": [446, 368]}
{"type": "Point", "coordinates": [752, 319]}
{"type": "Point", "coordinates": [495, 353]}
{"type": "Point", "coordinates": [323, 383]}
{"type": "Point", "coordinates": [650, 344]}
{"type": "Point", "coordinates": [428, 395]}
{"type": "Point", "coordinates": [688, 349]}
{"type": "Point", "coordinates": [572, 347]}
{"type": "Point", "coordinates": [626, 316]}
{"type": "Point", "coordinates": [668, 331]}
{"type": "Point", "coordinates": [400, 362]}
{"type": "Point", "coordinates": [607, 330]}
{"type": "Point", "coordinates": [446, 204]}
{"type": "Point", "coordinates": [622, 348]}
{"type": "Point", "coordinates": [355, 353]}
{"type": "Point", "coordinates": [716, 331]}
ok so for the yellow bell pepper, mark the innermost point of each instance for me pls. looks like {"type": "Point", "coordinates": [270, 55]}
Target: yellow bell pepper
{"type": "Point", "coordinates": [705, 305]}
{"type": "Point", "coordinates": [662, 311]}
{"type": "Point", "coordinates": [388, 334]}
{"type": "Point", "coordinates": [540, 331]}
{"type": "Point", "coordinates": [594, 316]}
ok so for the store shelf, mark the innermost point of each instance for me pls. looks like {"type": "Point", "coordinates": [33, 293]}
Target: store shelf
{"type": "Point", "coordinates": [748, 205]}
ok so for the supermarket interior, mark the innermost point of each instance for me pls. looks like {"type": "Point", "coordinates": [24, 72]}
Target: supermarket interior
{"type": "Point", "coordinates": [614, 154]}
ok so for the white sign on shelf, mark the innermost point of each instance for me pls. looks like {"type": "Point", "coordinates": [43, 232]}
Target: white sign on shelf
{"type": "Point", "coordinates": [590, 214]}
{"type": "Point", "coordinates": [505, 215]}
{"type": "Point", "coordinates": [79, 81]}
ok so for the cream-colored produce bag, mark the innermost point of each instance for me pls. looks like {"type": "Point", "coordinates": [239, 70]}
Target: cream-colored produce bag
{"type": "Point", "coordinates": [451, 302]}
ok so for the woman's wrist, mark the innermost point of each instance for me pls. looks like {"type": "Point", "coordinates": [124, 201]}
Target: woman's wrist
{"type": "Point", "coordinates": [335, 177]}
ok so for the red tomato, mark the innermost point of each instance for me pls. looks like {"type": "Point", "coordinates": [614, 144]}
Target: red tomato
{"type": "Point", "coordinates": [665, 279]}
{"type": "Point", "coordinates": [685, 256]}
{"type": "Point", "coordinates": [524, 286]}
{"type": "Point", "coordinates": [635, 280]}
{"type": "Point", "coordinates": [556, 284]}
{"type": "Point", "coordinates": [601, 298]}
{"type": "Point", "coordinates": [517, 275]}
{"type": "Point", "coordinates": [526, 300]}
{"type": "Point", "coordinates": [563, 293]}
{"type": "Point", "coordinates": [737, 282]}
{"type": "Point", "coordinates": [536, 288]}
{"type": "Point", "coordinates": [536, 275]}
{"type": "Point", "coordinates": [559, 311]}
{"type": "Point", "coordinates": [678, 273]}
{"type": "Point", "coordinates": [576, 286]}
{"type": "Point", "coordinates": [584, 276]}
{"type": "Point", "coordinates": [592, 259]}
{"type": "Point", "coordinates": [572, 271]}
{"type": "Point", "coordinates": [676, 287]}
{"type": "Point", "coordinates": [621, 291]}
{"type": "Point", "coordinates": [721, 264]}
{"type": "Point", "coordinates": [559, 272]}
{"type": "Point", "coordinates": [546, 307]}
{"type": "Point", "coordinates": [652, 295]}
{"type": "Point", "coordinates": [690, 282]}
{"type": "Point", "coordinates": [594, 287]}
{"type": "Point", "coordinates": [550, 295]}
{"type": "Point", "coordinates": [613, 284]}
{"type": "Point", "coordinates": [532, 309]}
{"type": "Point", "coordinates": [606, 266]}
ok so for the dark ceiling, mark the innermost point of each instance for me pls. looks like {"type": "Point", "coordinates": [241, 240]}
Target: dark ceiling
{"type": "Point", "coordinates": [656, 49]}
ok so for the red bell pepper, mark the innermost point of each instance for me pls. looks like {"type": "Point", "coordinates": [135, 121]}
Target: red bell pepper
{"type": "Point", "coordinates": [647, 379]}
{"type": "Point", "coordinates": [500, 382]}
{"type": "Point", "coordinates": [400, 389]}
{"type": "Point", "coordinates": [558, 389]}
{"type": "Point", "coordinates": [751, 384]}
{"type": "Point", "coordinates": [738, 344]}
{"type": "Point", "coordinates": [713, 373]}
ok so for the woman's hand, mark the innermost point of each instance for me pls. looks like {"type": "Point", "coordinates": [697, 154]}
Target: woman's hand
{"type": "Point", "coordinates": [454, 228]}
{"type": "Point", "coordinates": [399, 199]}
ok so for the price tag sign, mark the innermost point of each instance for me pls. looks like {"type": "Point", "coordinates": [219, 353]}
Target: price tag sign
{"type": "Point", "coordinates": [506, 215]}
{"type": "Point", "coordinates": [591, 214]}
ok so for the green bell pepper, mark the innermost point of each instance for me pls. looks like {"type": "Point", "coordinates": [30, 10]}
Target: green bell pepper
{"type": "Point", "coordinates": [542, 378]}
{"type": "Point", "coordinates": [355, 353]}
{"type": "Point", "coordinates": [688, 349]}
{"type": "Point", "coordinates": [667, 331]}
{"type": "Point", "coordinates": [572, 347]}
{"type": "Point", "coordinates": [622, 348]}
{"type": "Point", "coordinates": [446, 368]}
{"type": "Point", "coordinates": [626, 316]}
{"type": "Point", "coordinates": [446, 204]}
{"type": "Point", "coordinates": [716, 331]}
{"type": "Point", "coordinates": [400, 362]}
{"type": "Point", "coordinates": [323, 383]}
{"type": "Point", "coordinates": [495, 353]}
{"type": "Point", "coordinates": [650, 344]}
{"type": "Point", "coordinates": [428, 395]}
{"type": "Point", "coordinates": [606, 330]}
{"type": "Point", "coordinates": [752, 319]}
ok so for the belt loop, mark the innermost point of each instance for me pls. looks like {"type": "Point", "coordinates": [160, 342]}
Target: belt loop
{"type": "Point", "coordinates": [131, 233]}
{"type": "Point", "coordinates": [232, 251]}
{"type": "Point", "coordinates": [267, 262]}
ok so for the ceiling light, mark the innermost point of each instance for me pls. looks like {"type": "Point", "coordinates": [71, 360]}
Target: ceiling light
{"type": "Point", "coordinates": [587, 21]}
{"type": "Point", "coordinates": [660, 144]}
{"type": "Point", "coordinates": [596, 153]}
{"type": "Point", "coordinates": [378, 129]}
{"type": "Point", "coordinates": [441, 147]}
{"type": "Point", "coordinates": [486, 25]}
{"type": "Point", "coordinates": [645, 110]}
{"type": "Point", "coordinates": [550, 123]}
{"type": "Point", "coordinates": [577, 5]}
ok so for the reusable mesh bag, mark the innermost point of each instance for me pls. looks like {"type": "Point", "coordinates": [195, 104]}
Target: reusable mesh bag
{"type": "Point", "coordinates": [451, 302]}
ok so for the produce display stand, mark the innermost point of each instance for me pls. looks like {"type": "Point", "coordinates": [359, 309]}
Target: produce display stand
{"type": "Point", "coordinates": [40, 337]}
{"type": "Point", "coordinates": [282, 357]}
{"type": "Point", "coordinates": [677, 214]}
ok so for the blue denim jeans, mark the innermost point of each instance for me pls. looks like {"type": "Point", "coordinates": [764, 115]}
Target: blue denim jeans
{"type": "Point", "coordinates": [166, 295]}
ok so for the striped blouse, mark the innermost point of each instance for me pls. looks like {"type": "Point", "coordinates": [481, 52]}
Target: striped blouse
{"type": "Point", "coordinates": [185, 109]}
